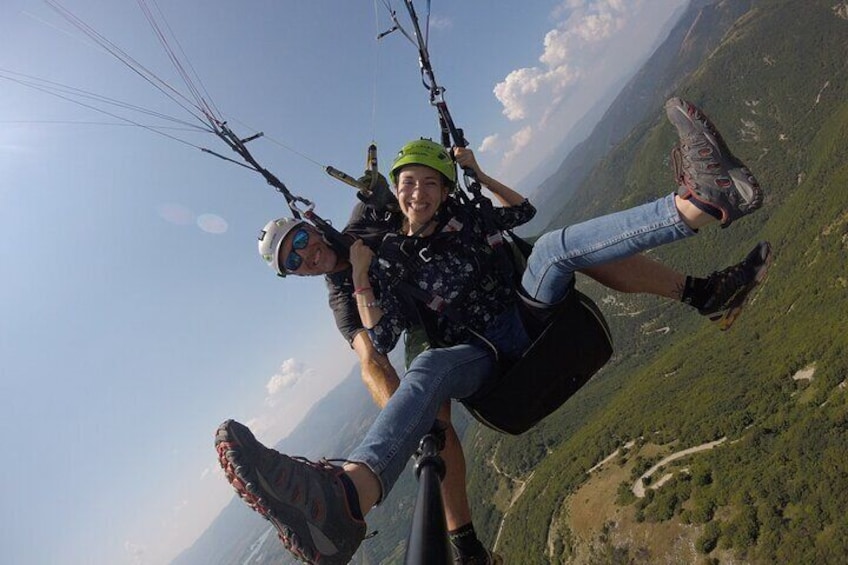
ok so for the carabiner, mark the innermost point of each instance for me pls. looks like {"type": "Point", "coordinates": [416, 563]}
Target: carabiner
{"type": "Point", "coordinates": [309, 205]}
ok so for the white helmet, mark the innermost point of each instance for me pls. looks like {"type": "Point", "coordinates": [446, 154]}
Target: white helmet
{"type": "Point", "coordinates": [271, 239]}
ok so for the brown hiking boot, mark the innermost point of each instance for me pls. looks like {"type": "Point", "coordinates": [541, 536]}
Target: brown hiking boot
{"type": "Point", "coordinates": [305, 501]}
{"type": "Point", "coordinates": [706, 170]}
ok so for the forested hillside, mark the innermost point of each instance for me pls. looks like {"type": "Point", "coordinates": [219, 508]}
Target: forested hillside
{"type": "Point", "coordinates": [773, 388]}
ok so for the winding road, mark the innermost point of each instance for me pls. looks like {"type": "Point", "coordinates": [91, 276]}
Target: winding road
{"type": "Point", "coordinates": [639, 486]}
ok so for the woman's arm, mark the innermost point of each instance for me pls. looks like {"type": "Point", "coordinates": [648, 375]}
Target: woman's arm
{"type": "Point", "coordinates": [360, 260]}
{"type": "Point", "coordinates": [379, 317]}
{"type": "Point", "coordinates": [515, 209]}
{"type": "Point", "coordinates": [505, 195]}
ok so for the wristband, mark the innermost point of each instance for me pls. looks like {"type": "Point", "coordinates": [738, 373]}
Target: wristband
{"type": "Point", "coordinates": [364, 302]}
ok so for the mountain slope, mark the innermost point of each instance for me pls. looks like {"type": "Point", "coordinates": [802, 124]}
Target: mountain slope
{"type": "Point", "coordinates": [776, 84]}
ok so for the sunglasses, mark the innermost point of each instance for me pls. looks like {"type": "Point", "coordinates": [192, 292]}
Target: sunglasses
{"type": "Point", "coordinates": [299, 241]}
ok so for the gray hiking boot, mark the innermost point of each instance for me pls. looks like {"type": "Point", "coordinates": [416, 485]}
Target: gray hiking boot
{"type": "Point", "coordinates": [305, 501]}
{"type": "Point", "coordinates": [730, 288]}
{"type": "Point", "coordinates": [706, 170]}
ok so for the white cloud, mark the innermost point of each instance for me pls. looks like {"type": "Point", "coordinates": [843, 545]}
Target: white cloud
{"type": "Point", "coordinates": [291, 391]}
{"type": "Point", "coordinates": [566, 52]}
{"type": "Point", "coordinates": [489, 143]}
{"type": "Point", "coordinates": [519, 89]}
{"type": "Point", "coordinates": [287, 376]}
{"type": "Point", "coordinates": [519, 141]}
{"type": "Point", "coordinates": [592, 43]}
{"type": "Point", "coordinates": [281, 381]}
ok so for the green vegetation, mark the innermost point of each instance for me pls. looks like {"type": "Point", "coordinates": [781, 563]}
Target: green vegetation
{"type": "Point", "coordinates": [777, 490]}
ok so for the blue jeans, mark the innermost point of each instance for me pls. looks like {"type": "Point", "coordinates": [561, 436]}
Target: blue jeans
{"type": "Point", "coordinates": [558, 254]}
{"type": "Point", "coordinates": [438, 375]}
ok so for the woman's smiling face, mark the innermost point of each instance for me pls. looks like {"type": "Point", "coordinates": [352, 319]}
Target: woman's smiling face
{"type": "Point", "coordinates": [420, 192]}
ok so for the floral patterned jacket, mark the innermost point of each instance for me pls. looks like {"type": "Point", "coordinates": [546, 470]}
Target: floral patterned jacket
{"type": "Point", "coordinates": [455, 264]}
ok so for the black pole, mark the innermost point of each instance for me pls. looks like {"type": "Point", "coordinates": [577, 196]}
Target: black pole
{"type": "Point", "coordinates": [428, 539]}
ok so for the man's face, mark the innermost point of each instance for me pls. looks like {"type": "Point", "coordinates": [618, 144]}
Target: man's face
{"type": "Point", "coordinates": [304, 245]}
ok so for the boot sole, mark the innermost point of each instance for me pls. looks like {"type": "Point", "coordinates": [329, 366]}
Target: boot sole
{"type": "Point", "coordinates": [248, 485]}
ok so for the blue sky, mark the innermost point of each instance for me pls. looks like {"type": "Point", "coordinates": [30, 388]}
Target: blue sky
{"type": "Point", "coordinates": [136, 314]}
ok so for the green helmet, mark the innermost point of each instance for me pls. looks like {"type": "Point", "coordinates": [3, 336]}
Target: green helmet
{"type": "Point", "coordinates": [424, 152]}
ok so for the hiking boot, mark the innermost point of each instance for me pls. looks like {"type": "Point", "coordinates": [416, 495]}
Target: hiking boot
{"type": "Point", "coordinates": [730, 288]}
{"type": "Point", "coordinates": [706, 170]}
{"type": "Point", "coordinates": [305, 501]}
{"type": "Point", "coordinates": [489, 558]}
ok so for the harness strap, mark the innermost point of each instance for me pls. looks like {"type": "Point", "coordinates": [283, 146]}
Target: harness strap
{"type": "Point", "coordinates": [405, 251]}
{"type": "Point", "coordinates": [413, 257]}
